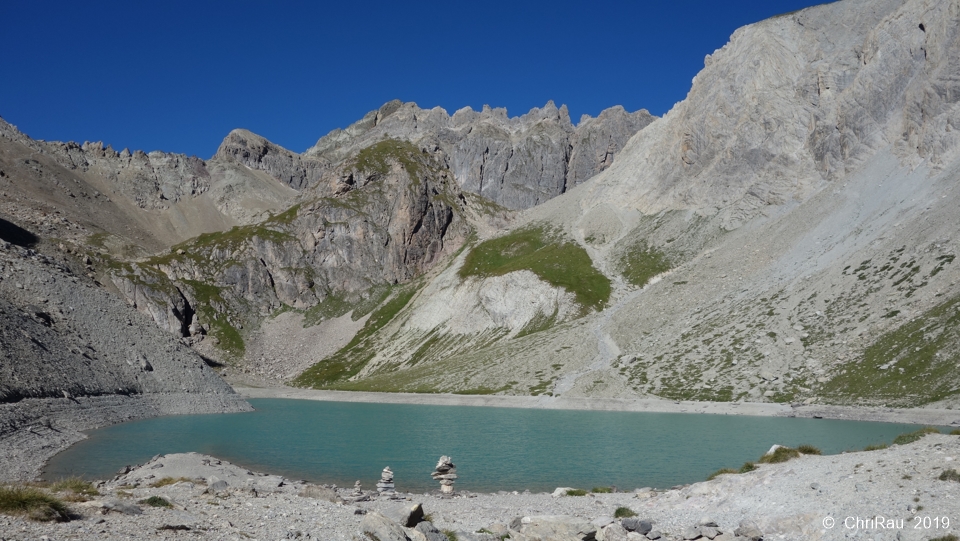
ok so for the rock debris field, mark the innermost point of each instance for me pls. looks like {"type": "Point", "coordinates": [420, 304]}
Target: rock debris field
{"type": "Point", "coordinates": [903, 492]}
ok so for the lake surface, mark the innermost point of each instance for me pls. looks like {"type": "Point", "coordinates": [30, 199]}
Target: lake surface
{"type": "Point", "coordinates": [493, 448]}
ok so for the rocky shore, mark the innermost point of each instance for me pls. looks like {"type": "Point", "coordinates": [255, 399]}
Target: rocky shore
{"type": "Point", "coordinates": [921, 416]}
{"type": "Point", "coordinates": [886, 494]}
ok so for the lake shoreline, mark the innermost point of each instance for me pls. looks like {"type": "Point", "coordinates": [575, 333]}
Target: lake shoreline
{"type": "Point", "coordinates": [919, 416]}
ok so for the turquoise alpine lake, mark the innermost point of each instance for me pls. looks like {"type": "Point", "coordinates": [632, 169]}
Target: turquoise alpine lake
{"type": "Point", "coordinates": [493, 448]}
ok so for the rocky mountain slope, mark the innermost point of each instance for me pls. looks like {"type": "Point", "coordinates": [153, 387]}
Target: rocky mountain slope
{"type": "Point", "coordinates": [76, 357]}
{"type": "Point", "coordinates": [784, 233]}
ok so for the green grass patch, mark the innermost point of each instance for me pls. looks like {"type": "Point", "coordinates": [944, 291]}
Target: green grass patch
{"type": "Point", "coordinates": [555, 260]}
{"type": "Point", "coordinates": [451, 535]}
{"type": "Point", "coordinates": [576, 492]}
{"type": "Point", "coordinates": [721, 471]}
{"type": "Point", "coordinates": [782, 454]}
{"type": "Point", "coordinates": [949, 475]}
{"type": "Point", "coordinates": [911, 437]}
{"type": "Point", "coordinates": [948, 537]}
{"type": "Point", "coordinates": [876, 447]}
{"type": "Point", "coordinates": [808, 450]}
{"type": "Point", "coordinates": [350, 359]}
{"type": "Point", "coordinates": [77, 489]}
{"type": "Point", "coordinates": [377, 158]}
{"type": "Point", "coordinates": [32, 503]}
{"type": "Point", "coordinates": [639, 263]}
{"type": "Point", "coordinates": [601, 490]}
{"type": "Point", "coordinates": [624, 512]}
{"type": "Point", "coordinates": [207, 296]}
{"type": "Point", "coordinates": [164, 481]}
{"type": "Point", "coordinates": [339, 303]}
{"type": "Point", "coordinates": [155, 501]}
{"type": "Point", "coordinates": [911, 365]}
{"type": "Point", "coordinates": [748, 467]}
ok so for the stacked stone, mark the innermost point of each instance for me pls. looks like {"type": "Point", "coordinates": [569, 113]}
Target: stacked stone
{"type": "Point", "coordinates": [445, 472]}
{"type": "Point", "coordinates": [385, 486]}
{"type": "Point", "coordinates": [357, 491]}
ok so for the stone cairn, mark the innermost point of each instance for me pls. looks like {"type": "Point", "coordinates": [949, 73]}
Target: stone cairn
{"type": "Point", "coordinates": [357, 491]}
{"type": "Point", "coordinates": [385, 486]}
{"type": "Point", "coordinates": [445, 472]}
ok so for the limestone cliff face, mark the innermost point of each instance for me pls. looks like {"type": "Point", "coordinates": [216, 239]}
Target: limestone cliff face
{"type": "Point", "coordinates": [516, 162]}
{"type": "Point", "coordinates": [383, 217]}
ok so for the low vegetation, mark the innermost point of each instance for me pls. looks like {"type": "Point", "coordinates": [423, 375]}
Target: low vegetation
{"type": "Point", "coordinates": [77, 489]}
{"type": "Point", "coordinates": [721, 471]}
{"type": "Point", "coordinates": [165, 481]}
{"type": "Point", "coordinates": [335, 370]}
{"type": "Point", "coordinates": [155, 501]}
{"type": "Point", "coordinates": [949, 475]}
{"type": "Point", "coordinates": [33, 503]}
{"type": "Point", "coordinates": [558, 261]}
{"type": "Point", "coordinates": [639, 263]}
{"type": "Point", "coordinates": [623, 512]}
{"type": "Point", "coordinates": [911, 437]}
{"type": "Point", "coordinates": [601, 490]}
{"type": "Point", "coordinates": [576, 492]}
{"type": "Point", "coordinates": [779, 455]}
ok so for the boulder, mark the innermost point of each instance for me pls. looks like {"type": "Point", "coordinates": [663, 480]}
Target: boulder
{"type": "Point", "coordinates": [407, 515]}
{"type": "Point", "coordinates": [556, 527]}
{"type": "Point", "coordinates": [382, 528]}
{"type": "Point", "coordinates": [430, 531]}
{"type": "Point", "coordinates": [612, 532]}
{"type": "Point", "coordinates": [749, 530]}
{"type": "Point", "coordinates": [117, 506]}
{"type": "Point", "coordinates": [634, 524]}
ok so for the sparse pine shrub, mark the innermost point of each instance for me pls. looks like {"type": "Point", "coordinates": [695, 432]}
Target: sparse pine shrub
{"type": "Point", "coordinates": [781, 454]}
{"type": "Point", "coordinates": [576, 492]}
{"type": "Point", "coordinates": [624, 512]}
{"type": "Point", "coordinates": [876, 447]}
{"type": "Point", "coordinates": [32, 502]}
{"type": "Point", "coordinates": [949, 475]}
{"type": "Point", "coordinates": [748, 467]}
{"type": "Point", "coordinates": [718, 473]}
{"type": "Point", "coordinates": [911, 437]}
{"type": "Point", "coordinates": [808, 450]}
{"type": "Point", "coordinates": [601, 490]}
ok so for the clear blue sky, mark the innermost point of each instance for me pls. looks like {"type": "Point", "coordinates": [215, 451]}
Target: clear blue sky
{"type": "Point", "coordinates": [178, 76]}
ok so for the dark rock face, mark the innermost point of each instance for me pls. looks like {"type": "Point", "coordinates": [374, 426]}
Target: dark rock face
{"type": "Point", "coordinates": [516, 162]}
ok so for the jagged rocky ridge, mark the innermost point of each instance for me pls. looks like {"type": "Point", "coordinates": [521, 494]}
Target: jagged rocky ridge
{"type": "Point", "coordinates": [515, 162]}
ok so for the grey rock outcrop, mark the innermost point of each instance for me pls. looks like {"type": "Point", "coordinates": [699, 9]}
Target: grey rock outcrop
{"type": "Point", "coordinates": [516, 162]}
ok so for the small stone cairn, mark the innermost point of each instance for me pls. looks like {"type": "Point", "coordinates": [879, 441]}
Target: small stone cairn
{"type": "Point", "coordinates": [445, 472]}
{"type": "Point", "coordinates": [357, 490]}
{"type": "Point", "coordinates": [385, 486]}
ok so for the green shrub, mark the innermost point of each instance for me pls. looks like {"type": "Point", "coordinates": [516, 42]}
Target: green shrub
{"type": "Point", "coordinates": [948, 537]}
{"type": "Point", "coordinates": [32, 502]}
{"type": "Point", "coordinates": [876, 447]}
{"type": "Point", "coordinates": [911, 437]}
{"type": "Point", "coordinates": [782, 454]}
{"type": "Point", "coordinates": [451, 535]}
{"type": "Point", "coordinates": [156, 501]}
{"type": "Point", "coordinates": [624, 512]}
{"type": "Point", "coordinates": [601, 490]}
{"type": "Point", "coordinates": [955, 432]}
{"type": "Point", "coordinates": [576, 492]}
{"type": "Point", "coordinates": [949, 475]}
{"type": "Point", "coordinates": [718, 473]}
{"type": "Point", "coordinates": [808, 450]}
{"type": "Point", "coordinates": [748, 467]}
